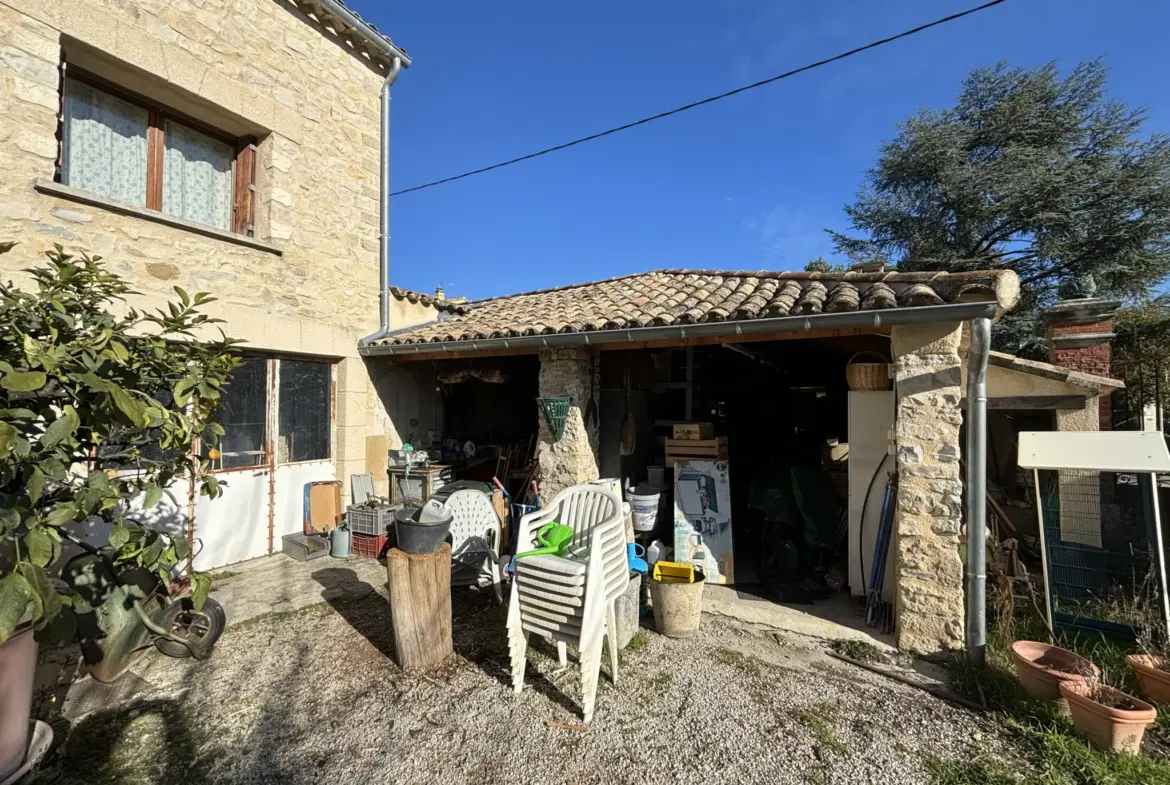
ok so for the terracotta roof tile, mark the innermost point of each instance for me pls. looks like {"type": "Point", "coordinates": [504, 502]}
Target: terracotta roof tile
{"type": "Point", "coordinates": [666, 297]}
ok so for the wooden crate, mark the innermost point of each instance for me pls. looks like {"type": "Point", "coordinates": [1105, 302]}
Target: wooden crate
{"type": "Point", "coordinates": [695, 450]}
{"type": "Point", "coordinates": [694, 430]}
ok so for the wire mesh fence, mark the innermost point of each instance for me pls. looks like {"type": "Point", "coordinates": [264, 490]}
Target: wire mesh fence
{"type": "Point", "coordinates": [1100, 547]}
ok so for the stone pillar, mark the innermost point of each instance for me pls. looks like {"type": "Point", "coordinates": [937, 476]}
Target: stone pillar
{"type": "Point", "coordinates": [569, 372]}
{"type": "Point", "coordinates": [929, 573]}
{"type": "Point", "coordinates": [1080, 336]}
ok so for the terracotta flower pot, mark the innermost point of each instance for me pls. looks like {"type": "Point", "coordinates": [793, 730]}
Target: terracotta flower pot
{"type": "Point", "coordinates": [18, 662]}
{"type": "Point", "coordinates": [1108, 717]}
{"type": "Point", "coordinates": [1155, 681]}
{"type": "Point", "coordinates": [1042, 668]}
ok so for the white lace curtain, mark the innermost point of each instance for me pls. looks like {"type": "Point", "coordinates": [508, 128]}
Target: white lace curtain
{"type": "Point", "coordinates": [105, 144]}
{"type": "Point", "coordinates": [106, 154]}
{"type": "Point", "coordinates": [197, 177]}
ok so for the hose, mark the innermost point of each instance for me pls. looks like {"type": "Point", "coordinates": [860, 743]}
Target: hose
{"type": "Point", "coordinates": [861, 523]}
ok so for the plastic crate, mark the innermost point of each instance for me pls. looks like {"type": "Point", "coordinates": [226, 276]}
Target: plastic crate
{"type": "Point", "coordinates": [369, 545]}
{"type": "Point", "coordinates": [364, 519]}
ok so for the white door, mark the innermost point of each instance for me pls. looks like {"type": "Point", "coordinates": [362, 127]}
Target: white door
{"type": "Point", "coordinates": [278, 437]}
{"type": "Point", "coordinates": [304, 438]}
{"type": "Point", "coordinates": [236, 525]}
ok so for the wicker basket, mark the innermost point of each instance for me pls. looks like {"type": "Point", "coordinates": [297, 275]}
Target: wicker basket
{"type": "Point", "coordinates": [867, 376]}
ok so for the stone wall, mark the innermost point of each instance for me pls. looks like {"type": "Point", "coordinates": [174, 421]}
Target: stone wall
{"type": "Point", "coordinates": [929, 575]}
{"type": "Point", "coordinates": [572, 459]}
{"type": "Point", "coordinates": [309, 284]}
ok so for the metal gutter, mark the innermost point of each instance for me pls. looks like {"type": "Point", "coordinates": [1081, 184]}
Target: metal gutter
{"type": "Point", "coordinates": [890, 317]}
{"type": "Point", "coordinates": [364, 29]}
{"type": "Point", "coordinates": [976, 488]}
{"type": "Point", "coordinates": [384, 212]}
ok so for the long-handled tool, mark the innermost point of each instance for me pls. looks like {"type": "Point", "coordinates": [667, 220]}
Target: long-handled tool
{"type": "Point", "coordinates": [877, 572]}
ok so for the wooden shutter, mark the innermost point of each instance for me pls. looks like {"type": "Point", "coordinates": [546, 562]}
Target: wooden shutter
{"type": "Point", "coordinates": [244, 187]}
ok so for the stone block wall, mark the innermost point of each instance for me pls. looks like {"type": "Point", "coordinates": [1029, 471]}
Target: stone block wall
{"type": "Point", "coordinates": [572, 459]}
{"type": "Point", "coordinates": [248, 67]}
{"type": "Point", "coordinates": [929, 574]}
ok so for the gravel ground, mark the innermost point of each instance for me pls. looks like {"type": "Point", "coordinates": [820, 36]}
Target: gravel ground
{"type": "Point", "coordinates": [312, 696]}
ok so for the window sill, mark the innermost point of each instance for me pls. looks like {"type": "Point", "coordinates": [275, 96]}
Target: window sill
{"type": "Point", "coordinates": [84, 197]}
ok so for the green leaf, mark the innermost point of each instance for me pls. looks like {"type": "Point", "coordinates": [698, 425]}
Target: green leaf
{"type": "Point", "coordinates": [182, 390]}
{"type": "Point", "coordinates": [62, 514]}
{"type": "Point", "coordinates": [35, 485]}
{"type": "Point", "coordinates": [39, 546]}
{"type": "Point", "coordinates": [18, 414]}
{"type": "Point", "coordinates": [58, 431]}
{"type": "Point", "coordinates": [7, 434]}
{"type": "Point", "coordinates": [182, 548]}
{"type": "Point", "coordinates": [152, 496]}
{"type": "Point", "coordinates": [9, 520]}
{"type": "Point", "coordinates": [119, 536]}
{"type": "Point", "coordinates": [14, 597]}
{"type": "Point", "coordinates": [92, 381]}
{"type": "Point", "coordinates": [126, 404]}
{"type": "Point", "coordinates": [183, 295]}
{"type": "Point", "coordinates": [151, 553]}
{"type": "Point", "coordinates": [200, 588]}
{"type": "Point", "coordinates": [23, 381]}
{"type": "Point", "coordinates": [43, 593]}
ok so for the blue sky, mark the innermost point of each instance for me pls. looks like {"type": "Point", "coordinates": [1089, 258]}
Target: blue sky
{"type": "Point", "coordinates": [747, 183]}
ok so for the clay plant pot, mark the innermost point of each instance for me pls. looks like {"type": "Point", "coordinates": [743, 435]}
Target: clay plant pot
{"type": "Point", "coordinates": [18, 662]}
{"type": "Point", "coordinates": [1107, 717]}
{"type": "Point", "coordinates": [1042, 668]}
{"type": "Point", "coordinates": [1152, 676]}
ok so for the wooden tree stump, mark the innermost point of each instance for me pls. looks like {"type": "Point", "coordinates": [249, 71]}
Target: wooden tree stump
{"type": "Point", "coordinates": [420, 607]}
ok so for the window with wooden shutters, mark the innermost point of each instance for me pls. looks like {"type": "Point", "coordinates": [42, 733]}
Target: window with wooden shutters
{"type": "Point", "coordinates": [124, 147]}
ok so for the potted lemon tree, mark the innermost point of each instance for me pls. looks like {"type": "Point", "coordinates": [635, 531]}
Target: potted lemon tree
{"type": "Point", "coordinates": [99, 408]}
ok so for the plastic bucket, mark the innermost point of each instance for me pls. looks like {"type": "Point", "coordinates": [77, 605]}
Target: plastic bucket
{"type": "Point", "coordinates": [643, 501]}
{"type": "Point", "coordinates": [417, 537]}
{"type": "Point", "coordinates": [678, 607]}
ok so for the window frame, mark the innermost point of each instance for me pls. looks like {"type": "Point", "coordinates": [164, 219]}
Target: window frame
{"type": "Point", "coordinates": [243, 173]}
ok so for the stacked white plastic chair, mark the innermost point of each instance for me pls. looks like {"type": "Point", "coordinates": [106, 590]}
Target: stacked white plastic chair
{"type": "Point", "coordinates": [570, 598]}
{"type": "Point", "coordinates": [475, 539]}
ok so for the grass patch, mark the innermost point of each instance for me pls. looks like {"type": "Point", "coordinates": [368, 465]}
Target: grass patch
{"type": "Point", "coordinates": [818, 720]}
{"type": "Point", "coordinates": [736, 659]}
{"type": "Point", "coordinates": [638, 642]}
{"type": "Point", "coordinates": [1045, 737]}
{"type": "Point", "coordinates": [316, 609]}
{"type": "Point", "coordinates": [862, 651]}
{"type": "Point", "coordinates": [661, 680]}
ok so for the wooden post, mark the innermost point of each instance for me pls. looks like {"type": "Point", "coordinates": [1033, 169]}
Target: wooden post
{"type": "Point", "coordinates": [420, 607]}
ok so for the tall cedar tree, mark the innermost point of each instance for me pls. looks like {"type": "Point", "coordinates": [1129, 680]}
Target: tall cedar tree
{"type": "Point", "coordinates": [1031, 172]}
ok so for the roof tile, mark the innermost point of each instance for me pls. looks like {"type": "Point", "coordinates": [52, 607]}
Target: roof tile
{"type": "Point", "coordinates": [689, 296]}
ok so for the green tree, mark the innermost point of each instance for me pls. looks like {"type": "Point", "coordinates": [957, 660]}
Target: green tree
{"type": "Point", "coordinates": [1028, 171]}
{"type": "Point", "coordinates": [97, 411]}
{"type": "Point", "coordinates": [819, 265]}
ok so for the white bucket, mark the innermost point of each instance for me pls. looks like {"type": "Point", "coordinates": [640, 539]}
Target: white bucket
{"type": "Point", "coordinates": [643, 502]}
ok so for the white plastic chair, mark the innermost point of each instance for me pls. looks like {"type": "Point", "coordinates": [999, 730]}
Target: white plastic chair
{"type": "Point", "coordinates": [570, 598]}
{"type": "Point", "coordinates": [475, 539]}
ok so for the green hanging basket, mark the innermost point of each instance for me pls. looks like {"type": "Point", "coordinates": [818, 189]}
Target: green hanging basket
{"type": "Point", "coordinates": [556, 413]}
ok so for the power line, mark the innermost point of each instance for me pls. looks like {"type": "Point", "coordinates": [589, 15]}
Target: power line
{"type": "Point", "coordinates": [710, 100]}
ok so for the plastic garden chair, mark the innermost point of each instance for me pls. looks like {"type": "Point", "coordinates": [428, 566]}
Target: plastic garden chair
{"type": "Point", "coordinates": [475, 538]}
{"type": "Point", "coordinates": [569, 598]}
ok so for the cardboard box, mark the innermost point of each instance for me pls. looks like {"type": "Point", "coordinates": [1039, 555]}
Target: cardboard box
{"type": "Point", "coordinates": [694, 430]}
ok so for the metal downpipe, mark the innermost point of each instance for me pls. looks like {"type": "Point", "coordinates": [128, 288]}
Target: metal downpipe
{"type": "Point", "coordinates": [384, 212]}
{"type": "Point", "coordinates": [976, 637]}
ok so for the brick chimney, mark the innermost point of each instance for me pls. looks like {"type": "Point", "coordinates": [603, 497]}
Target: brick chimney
{"type": "Point", "coordinates": [1080, 336]}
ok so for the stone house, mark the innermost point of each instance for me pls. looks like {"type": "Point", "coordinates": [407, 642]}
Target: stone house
{"type": "Point", "coordinates": [232, 147]}
{"type": "Point", "coordinates": [764, 354]}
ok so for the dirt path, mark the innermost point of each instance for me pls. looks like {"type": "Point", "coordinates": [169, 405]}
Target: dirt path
{"type": "Point", "coordinates": [311, 696]}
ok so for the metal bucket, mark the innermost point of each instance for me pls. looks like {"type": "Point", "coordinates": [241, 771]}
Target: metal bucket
{"type": "Point", "coordinates": [643, 502]}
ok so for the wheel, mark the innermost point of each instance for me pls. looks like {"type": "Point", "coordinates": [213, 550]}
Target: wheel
{"type": "Point", "coordinates": [203, 628]}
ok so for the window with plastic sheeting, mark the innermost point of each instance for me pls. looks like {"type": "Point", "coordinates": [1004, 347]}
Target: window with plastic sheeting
{"type": "Point", "coordinates": [305, 392]}
{"type": "Point", "coordinates": [244, 417]}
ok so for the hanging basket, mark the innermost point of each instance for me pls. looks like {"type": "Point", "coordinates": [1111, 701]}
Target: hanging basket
{"type": "Point", "coordinates": [868, 376]}
{"type": "Point", "coordinates": [556, 412]}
